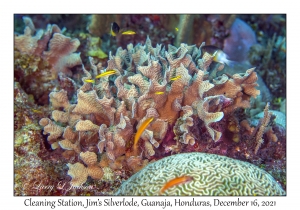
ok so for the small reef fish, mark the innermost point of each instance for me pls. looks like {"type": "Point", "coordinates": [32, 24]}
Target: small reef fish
{"type": "Point", "coordinates": [218, 55]}
{"type": "Point", "coordinates": [175, 78]}
{"type": "Point", "coordinates": [140, 131]}
{"type": "Point", "coordinates": [176, 181]}
{"type": "Point", "coordinates": [37, 111]}
{"type": "Point", "coordinates": [115, 30]}
{"type": "Point", "coordinates": [107, 73]}
{"type": "Point", "coordinates": [129, 32]}
{"type": "Point", "coordinates": [90, 80]}
{"type": "Point", "coordinates": [176, 29]}
{"type": "Point", "coordinates": [159, 93]}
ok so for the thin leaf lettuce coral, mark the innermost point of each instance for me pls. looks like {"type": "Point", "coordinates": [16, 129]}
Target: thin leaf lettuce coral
{"type": "Point", "coordinates": [109, 113]}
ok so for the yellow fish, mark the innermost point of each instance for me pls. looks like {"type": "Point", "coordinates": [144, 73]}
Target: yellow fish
{"type": "Point", "coordinates": [176, 29]}
{"type": "Point", "coordinates": [90, 80]}
{"type": "Point", "coordinates": [140, 131]}
{"type": "Point", "coordinates": [159, 93]}
{"type": "Point", "coordinates": [174, 182]}
{"type": "Point", "coordinates": [107, 73]}
{"type": "Point", "coordinates": [114, 29]}
{"type": "Point", "coordinates": [175, 78]}
{"type": "Point", "coordinates": [129, 32]}
{"type": "Point", "coordinates": [37, 111]}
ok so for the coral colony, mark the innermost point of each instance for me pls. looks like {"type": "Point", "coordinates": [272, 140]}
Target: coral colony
{"type": "Point", "coordinates": [145, 120]}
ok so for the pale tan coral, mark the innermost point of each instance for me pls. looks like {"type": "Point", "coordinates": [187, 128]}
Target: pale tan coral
{"type": "Point", "coordinates": [228, 88]}
{"type": "Point", "coordinates": [205, 61]}
{"type": "Point", "coordinates": [26, 43]}
{"type": "Point", "coordinates": [149, 82]}
{"type": "Point", "coordinates": [44, 121]}
{"type": "Point", "coordinates": [86, 85]}
{"type": "Point", "coordinates": [66, 117]}
{"type": "Point", "coordinates": [87, 103]}
{"type": "Point", "coordinates": [181, 128]}
{"type": "Point", "coordinates": [125, 91]}
{"type": "Point", "coordinates": [248, 82]}
{"type": "Point", "coordinates": [238, 102]}
{"type": "Point", "coordinates": [177, 57]}
{"type": "Point", "coordinates": [89, 158]}
{"type": "Point", "coordinates": [121, 111]}
{"type": "Point", "coordinates": [159, 128]}
{"type": "Point", "coordinates": [107, 106]}
{"type": "Point", "coordinates": [192, 93]}
{"type": "Point", "coordinates": [240, 82]}
{"type": "Point", "coordinates": [149, 149]}
{"type": "Point", "coordinates": [51, 128]}
{"type": "Point", "coordinates": [119, 141]}
{"type": "Point", "coordinates": [68, 145]}
{"type": "Point", "coordinates": [95, 172]}
{"type": "Point", "coordinates": [103, 88]}
{"type": "Point", "coordinates": [60, 116]}
{"type": "Point", "coordinates": [61, 46]}
{"type": "Point", "coordinates": [55, 145]}
{"type": "Point", "coordinates": [78, 172]}
{"type": "Point", "coordinates": [139, 57]}
{"type": "Point", "coordinates": [110, 153]}
{"type": "Point", "coordinates": [169, 112]}
{"type": "Point", "coordinates": [114, 63]}
{"type": "Point", "coordinates": [59, 99]}
{"type": "Point", "coordinates": [147, 135]}
{"type": "Point", "coordinates": [208, 117]}
{"type": "Point", "coordinates": [158, 100]}
{"type": "Point", "coordinates": [127, 131]}
{"type": "Point", "coordinates": [152, 71]}
{"type": "Point", "coordinates": [86, 125]}
{"type": "Point", "coordinates": [138, 80]}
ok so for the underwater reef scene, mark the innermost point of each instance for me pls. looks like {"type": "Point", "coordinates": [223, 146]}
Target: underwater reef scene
{"type": "Point", "coordinates": [151, 104]}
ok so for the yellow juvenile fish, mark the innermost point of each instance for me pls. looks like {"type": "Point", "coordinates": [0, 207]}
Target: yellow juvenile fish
{"type": "Point", "coordinates": [107, 73]}
{"type": "Point", "coordinates": [129, 32]}
{"type": "Point", "coordinates": [176, 29]}
{"type": "Point", "coordinates": [159, 93]}
{"type": "Point", "coordinates": [140, 131]}
{"type": "Point", "coordinates": [37, 111]}
{"type": "Point", "coordinates": [175, 78]}
{"type": "Point", "coordinates": [90, 80]}
{"type": "Point", "coordinates": [174, 182]}
{"type": "Point", "coordinates": [114, 29]}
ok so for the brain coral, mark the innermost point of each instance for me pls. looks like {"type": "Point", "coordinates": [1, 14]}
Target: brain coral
{"type": "Point", "coordinates": [212, 175]}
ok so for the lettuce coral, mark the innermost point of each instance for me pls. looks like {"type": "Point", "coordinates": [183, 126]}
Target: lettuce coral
{"type": "Point", "coordinates": [109, 112]}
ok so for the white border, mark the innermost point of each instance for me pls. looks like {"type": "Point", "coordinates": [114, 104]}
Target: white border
{"type": "Point", "coordinates": [153, 6]}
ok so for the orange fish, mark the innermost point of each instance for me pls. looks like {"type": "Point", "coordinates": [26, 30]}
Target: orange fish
{"type": "Point", "coordinates": [176, 181]}
{"type": "Point", "coordinates": [140, 131]}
